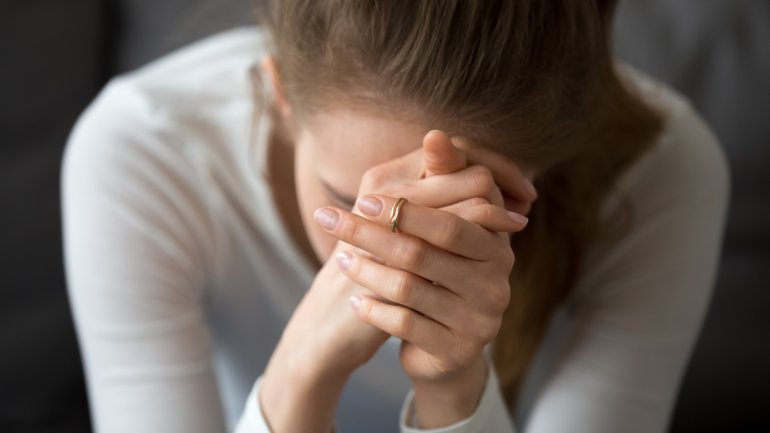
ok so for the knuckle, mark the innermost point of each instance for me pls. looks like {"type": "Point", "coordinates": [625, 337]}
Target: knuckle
{"type": "Point", "coordinates": [500, 296]}
{"type": "Point", "coordinates": [450, 230]}
{"type": "Point", "coordinates": [464, 353]}
{"type": "Point", "coordinates": [510, 258]}
{"type": "Point", "coordinates": [412, 253]}
{"type": "Point", "coordinates": [482, 179]}
{"type": "Point", "coordinates": [505, 257]}
{"type": "Point", "coordinates": [489, 211]}
{"type": "Point", "coordinates": [403, 322]}
{"type": "Point", "coordinates": [477, 201]}
{"type": "Point", "coordinates": [443, 366]}
{"type": "Point", "coordinates": [453, 362]}
{"type": "Point", "coordinates": [489, 330]}
{"type": "Point", "coordinates": [403, 288]}
{"type": "Point", "coordinates": [365, 311]}
{"type": "Point", "coordinates": [481, 330]}
{"type": "Point", "coordinates": [351, 230]}
{"type": "Point", "coordinates": [373, 177]}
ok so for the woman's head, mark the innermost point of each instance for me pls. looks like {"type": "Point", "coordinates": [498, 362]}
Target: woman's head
{"type": "Point", "coordinates": [516, 76]}
{"type": "Point", "coordinates": [361, 82]}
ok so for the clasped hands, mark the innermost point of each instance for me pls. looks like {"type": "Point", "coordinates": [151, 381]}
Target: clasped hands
{"type": "Point", "coordinates": [441, 285]}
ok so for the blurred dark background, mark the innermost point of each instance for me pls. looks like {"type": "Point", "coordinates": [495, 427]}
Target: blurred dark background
{"type": "Point", "coordinates": [56, 55]}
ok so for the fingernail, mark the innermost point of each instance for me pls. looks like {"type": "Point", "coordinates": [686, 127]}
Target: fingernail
{"type": "Point", "coordinates": [530, 188]}
{"type": "Point", "coordinates": [355, 302]}
{"type": "Point", "coordinates": [519, 218]}
{"type": "Point", "coordinates": [370, 205]}
{"type": "Point", "coordinates": [343, 259]}
{"type": "Point", "coordinates": [326, 218]}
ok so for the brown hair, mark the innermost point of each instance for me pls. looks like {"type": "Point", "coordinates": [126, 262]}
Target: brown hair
{"type": "Point", "coordinates": [531, 79]}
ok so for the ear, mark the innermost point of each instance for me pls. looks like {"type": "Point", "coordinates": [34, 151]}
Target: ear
{"type": "Point", "coordinates": [269, 68]}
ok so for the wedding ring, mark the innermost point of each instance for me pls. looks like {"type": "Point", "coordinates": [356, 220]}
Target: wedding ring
{"type": "Point", "coordinates": [394, 213]}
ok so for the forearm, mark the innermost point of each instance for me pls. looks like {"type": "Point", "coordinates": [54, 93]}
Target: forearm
{"type": "Point", "coordinates": [442, 404]}
{"type": "Point", "coordinates": [300, 398]}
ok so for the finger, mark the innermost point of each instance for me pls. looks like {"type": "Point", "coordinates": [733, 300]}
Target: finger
{"type": "Point", "coordinates": [404, 323]}
{"type": "Point", "coordinates": [440, 155]}
{"type": "Point", "coordinates": [398, 250]}
{"type": "Point", "coordinates": [341, 246]}
{"type": "Point", "coordinates": [496, 224]}
{"type": "Point", "coordinates": [507, 173]}
{"type": "Point", "coordinates": [470, 202]}
{"type": "Point", "coordinates": [443, 190]}
{"type": "Point", "coordinates": [491, 217]}
{"type": "Point", "coordinates": [520, 207]}
{"type": "Point", "coordinates": [440, 228]}
{"type": "Point", "coordinates": [402, 287]}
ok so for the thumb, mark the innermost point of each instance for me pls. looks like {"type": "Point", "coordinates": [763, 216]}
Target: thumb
{"type": "Point", "coordinates": [440, 155]}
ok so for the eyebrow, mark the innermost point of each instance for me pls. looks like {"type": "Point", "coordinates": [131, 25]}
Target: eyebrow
{"type": "Point", "coordinates": [337, 195]}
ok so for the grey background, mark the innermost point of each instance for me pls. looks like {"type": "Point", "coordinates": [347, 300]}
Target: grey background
{"type": "Point", "coordinates": [55, 55]}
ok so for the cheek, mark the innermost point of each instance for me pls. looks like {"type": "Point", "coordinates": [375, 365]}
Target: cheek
{"type": "Point", "coordinates": [311, 196]}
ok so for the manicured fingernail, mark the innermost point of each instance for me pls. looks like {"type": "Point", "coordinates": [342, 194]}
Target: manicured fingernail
{"type": "Point", "coordinates": [326, 218]}
{"type": "Point", "coordinates": [519, 218]}
{"type": "Point", "coordinates": [355, 302]}
{"type": "Point", "coordinates": [370, 205]}
{"type": "Point", "coordinates": [530, 188]}
{"type": "Point", "coordinates": [343, 259]}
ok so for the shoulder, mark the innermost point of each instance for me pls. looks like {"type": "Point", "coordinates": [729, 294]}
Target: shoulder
{"type": "Point", "coordinates": [213, 68]}
{"type": "Point", "coordinates": [677, 194]}
{"type": "Point", "coordinates": [206, 62]}
{"type": "Point", "coordinates": [686, 166]}
{"type": "Point", "coordinates": [134, 147]}
{"type": "Point", "coordinates": [189, 96]}
{"type": "Point", "coordinates": [193, 78]}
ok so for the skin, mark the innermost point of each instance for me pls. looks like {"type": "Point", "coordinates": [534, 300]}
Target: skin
{"type": "Point", "coordinates": [447, 268]}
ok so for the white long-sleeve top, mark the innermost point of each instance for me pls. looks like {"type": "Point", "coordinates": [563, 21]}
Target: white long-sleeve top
{"type": "Point", "coordinates": [182, 275]}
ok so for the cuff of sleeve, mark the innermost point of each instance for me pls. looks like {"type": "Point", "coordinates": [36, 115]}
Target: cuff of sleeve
{"type": "Point", "coordinates": [490, 415]}
{"type": "Point", "coordinates": [252, 420]}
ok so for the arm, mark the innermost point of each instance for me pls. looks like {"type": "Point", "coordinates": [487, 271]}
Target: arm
{"type": "Point", "coordinates": [470, 400]}
{"type": "Point", "coordinates": [473, 396]}
{"type": "Point", "coordinates": [441, 347]}
{"type": "Point", "coordinates": [324, 340]}
{"type": "Point", "coordinates": [136, 267]}
{"type": "Point", "coordinates": [487, 414]}
{"type": "Point", "coordinates": [253, 419]}
{"type": "Point", "coordinates": [638, 311]}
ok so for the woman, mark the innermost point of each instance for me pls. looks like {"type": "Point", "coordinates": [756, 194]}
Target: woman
{"type": "Point", "coordinates": [211, 297]}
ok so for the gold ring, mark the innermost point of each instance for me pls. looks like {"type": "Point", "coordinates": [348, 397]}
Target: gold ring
{"type": "Point", "coordinates": [394, 215]}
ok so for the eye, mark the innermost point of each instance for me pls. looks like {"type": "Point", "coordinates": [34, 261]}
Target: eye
{"type": "Point", "coordinates": [342, 203]}
{"type": "Point", "coordinates": [337, 197]}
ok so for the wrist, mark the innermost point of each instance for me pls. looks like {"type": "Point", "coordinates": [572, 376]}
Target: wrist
{"type": "Point", "coordinates": [442, 403]}
{"type": "Point", "coordinates": [299, 395]}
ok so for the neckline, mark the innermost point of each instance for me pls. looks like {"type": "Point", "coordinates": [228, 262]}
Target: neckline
{"type": "Point", "coordinates": [283, 234]}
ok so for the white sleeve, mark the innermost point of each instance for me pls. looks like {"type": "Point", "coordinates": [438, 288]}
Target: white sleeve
{"type": "Point", "coordinates": [138, 254]}
{"type": "Point", "coordinates": [639, 308]}
{"type": "Point", "coordinates": [252, 420]}
{"type": "Point", "coordinates": [491, 414]}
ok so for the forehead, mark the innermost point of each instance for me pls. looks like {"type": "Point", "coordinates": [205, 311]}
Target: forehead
{"type": "Point", "coordinates": [346, 142]}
